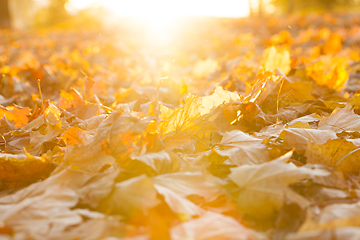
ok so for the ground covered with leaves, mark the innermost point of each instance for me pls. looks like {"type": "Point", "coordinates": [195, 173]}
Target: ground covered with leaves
{"type": "Point", "coordinates": [222, 129]}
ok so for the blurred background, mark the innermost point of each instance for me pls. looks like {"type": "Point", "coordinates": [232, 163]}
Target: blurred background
{"type": "Point", "coordinates": [27, 14]}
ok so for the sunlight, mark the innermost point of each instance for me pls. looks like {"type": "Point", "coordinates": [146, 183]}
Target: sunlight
{"type": "Point", "coordinates": [165, 8]}
{"type": "Point", "coordinates": [160, 15]}
{"type": "Point", "coordinates": [163, 12]}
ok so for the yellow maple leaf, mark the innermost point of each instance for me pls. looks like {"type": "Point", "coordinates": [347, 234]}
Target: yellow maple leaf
{"type": "Point", "coordinates": [333, 44]}
{"type": "Point", "coordinates": [338, 153]}
{"type": "Point", "coordinates": [277, 58]}
{"type": "Point", "coordinates": [21, 167]}
{"type": "Point", "coordinates": [183, 118]}
{"type": "Point", "coordinates": [328, 71]}
{"type": "Point", "coordinates": [204, 68]}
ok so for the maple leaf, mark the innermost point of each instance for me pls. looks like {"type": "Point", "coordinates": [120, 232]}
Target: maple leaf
{"type": "Point", "coordinates": [299, 138]}
{"type": "Point", "coordinates": [176, 187]}
{"type": "Point", "coordinates": [43, 209]}
{"type": "Point", "coordinates": [15, 114]}
{"type": "Point", "coordinates": [341, 119]}
{"type": "Point", "coordinates": [212, 226]}
{"type": "Point", "coordinates": [333, 44]}
{"type": "Point", "coordinates": [263, 187]}
{"type": "Point", "coordinates": [277, 58]}
{"type": "Point", "coordinates": [205, 68]}
{"type": "Point", "coordinates": [338, 153]}
{"type": "Point", "coordinates": [38, 138]}
{"type": "Point", "coordinates": [328, 71]}
{"type": "Point", "coordinates": [75, 136]}
{"type": "Point", "coordinates": [187, 183]}
{"type": "Point", "coordinates": [161, 162]}
{"type": "Point", "coordinates": [132, 196]}
{"type": "Point", "coordinates": [241, 148]}
{"type": "Point", "coordinates": [340, 220]}
{"type": "Point", "coordinates": [52, 114]}
{"type": "Point", "coordinates": [22, 167]}
{"type": "Point", "coordinates": [195, 107]}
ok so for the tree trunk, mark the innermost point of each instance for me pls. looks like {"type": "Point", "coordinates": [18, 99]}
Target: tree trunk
{"type": "Point", "coordinates": [251, 11]}
{"type": "Point", "coordinates": [290, 7]}
{"type": "Point", "coordinates": [260, 8]}
{"type": "Point", "coordinates": [4, 14]}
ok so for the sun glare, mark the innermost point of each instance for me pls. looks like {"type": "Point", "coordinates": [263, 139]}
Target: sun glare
{"type": "Point", "coordinates": [160, 15]}
{"type": "Point", "coordinates": [164, 10]}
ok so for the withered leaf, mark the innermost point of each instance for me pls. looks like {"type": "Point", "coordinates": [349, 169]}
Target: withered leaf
{"type": "Point", "coordinates": [212, 226]}
{"type": "Point", "coordinates": [263, 187]}
{"type": "Point", "coordinates": [22, 167]}
{"type": "Point", "coordinates": [337, 153]}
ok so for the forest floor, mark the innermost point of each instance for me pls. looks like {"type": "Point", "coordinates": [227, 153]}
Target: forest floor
{"type": "Point", "coordinates": [207, 129]}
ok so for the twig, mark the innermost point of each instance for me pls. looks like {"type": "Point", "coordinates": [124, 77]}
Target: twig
{"type": "Point", "coordinates": [355, 150]}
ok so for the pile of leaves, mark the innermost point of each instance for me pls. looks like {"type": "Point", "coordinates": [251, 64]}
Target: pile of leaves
{"type": "Point", "coordinates": [231, 129]}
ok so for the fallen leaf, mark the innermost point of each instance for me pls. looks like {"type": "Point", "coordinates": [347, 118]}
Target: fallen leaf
{"type": "Point", "coordinates": [161, 162]}
{"type": "Point", "coordinates": [75, 136]}
{"type": "Point", "coordinates": [277, 58]}
{"type": "Point", "coordinates": [204, 68]}
{"type": "Point", "coordinates": [22, 167]}
{"type": "Point", "coordinates": [337, 153]}
{"type": "Point", "coordinates": [263, 187]}
{"type": "Point", "coordinates": [15, 114]}
{"type": "Point", "coordinates": [132, 197]}
{"type": "Point", "coordinates": [52, 114]}
{"type": "Point", "coordinates": [212, 226]}
{"type": "Point", "coordinates": [183, 118]}
{"type": "Point", "coordinates": [299, 138]}
{"type": "Point", "coordinates": [341, 119]}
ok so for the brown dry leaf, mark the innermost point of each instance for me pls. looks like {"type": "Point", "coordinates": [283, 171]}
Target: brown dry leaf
{"type": "Point", "coordinates": [38, 138]}
{"type": "Point", "coordinates": [97, 187]}
{"type": "Point", "coordinates": [236, 137]}
{"type": "Point", "coordinates": [305, 121]}
{"type": "Point", "coordinates": [132, 197]}
{"type": "Point", "coordinates": [177, 203]}
{"type": "Point", "coordinates": [212, 226]}
{"type": "Point", "coordinates": [263, 187]}
{"type": "Point", "coordinates": [335, 153]}
{"type": "Point", "coordinates": [99, 226]}
{"type": "Point", "coordinates": [88, 157]}
{"type": "Point", "coordinates": [337, 220]}
{"type": "Point", "coordinates": [296, 91]}
{"type": "Point", "coordinates": [43, 210]}
{"type": "Point", "coordinates": [45, 215]}
{"type": "Point", "coordinates": [241, 148]}
{"type": "Point", "coordinates": [179, 141]}
{"type": "Point", "coordinates": [177, 187]}
{"type": "Point", "coordinates": [299, 138]}
{"type": "Point", "coordinates": [191, 183]}
{"type": "Point", "coordinates": [161, 162]}
{"type": "Point", "coordinates": [341, 119]}
{"type": "Point", "coordinates": [275, 58]}
{"type": "Point", "coordinates": [348, 233]}
{"type": "Point", "coordinates": [15, 114]}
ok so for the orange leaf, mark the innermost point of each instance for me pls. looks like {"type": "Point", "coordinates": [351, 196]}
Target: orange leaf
{"type": "Point", "coordinates": [16, 114]}
{"type": "Point", "coordinates": [75, 136]}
